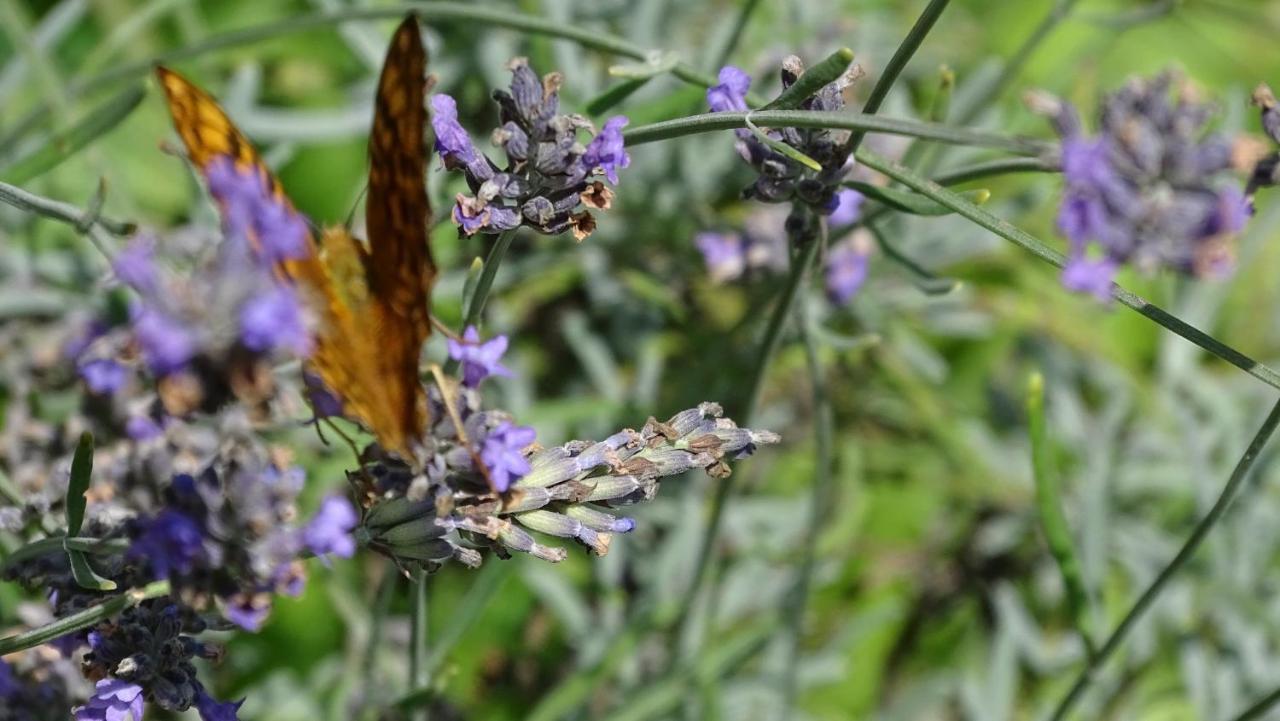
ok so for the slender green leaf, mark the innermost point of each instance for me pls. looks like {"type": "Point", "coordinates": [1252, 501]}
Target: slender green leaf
{"type": "Point", "coordinates": [782, 148]}
{"type": "Point", "coordinates": [81, 474]}
{"type": "Point", "coordinates": [1053, 522]}
{"type": "Point", "coordinates": [812, 80]}
{"type": "Point", "coordinates": [615, 94]}
{"type": "Point", "coordinates": [61, 146]}
{"type": "Point", "coordinates": [84, 574]}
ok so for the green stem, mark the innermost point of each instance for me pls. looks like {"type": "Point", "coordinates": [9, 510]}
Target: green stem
{"type": "Point", "coordinates": [418, 648]}
{"type": "Point", "coordinates": [801, 264]}
{"type": "Point", "coordinates": [1189, 547]}
{"type": "Point", "coordinates": [1259, 709]}
{"type": "Point", "coordinates": [1025, 240]}
{"type": "Point", "coordinates": [819, 504]}
{"type": "Point", "coordinates": [711, 122]}
{"type": "Point", "coordinates": [428, 11]}
{"type": "Point", "coordinates": [906, 49]}
{"type": "Point", "coordinates": [1003, 166]}
{"type": "Point", "coordinates": [485, 283]}
{"type": "Point", "coordinates": [82, 619]}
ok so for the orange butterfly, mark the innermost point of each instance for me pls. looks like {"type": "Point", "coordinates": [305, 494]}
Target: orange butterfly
{"type": "Point", "coordinates": [372, 303]}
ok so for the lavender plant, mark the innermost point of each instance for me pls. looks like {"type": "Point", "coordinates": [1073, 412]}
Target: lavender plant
{"type": "Point", "coordinates": [161, 491]}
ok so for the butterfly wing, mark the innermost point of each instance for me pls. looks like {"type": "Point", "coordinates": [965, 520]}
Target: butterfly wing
{"type": "Point", "coordinates": [400, 269]}
{"type": "Point", "coordinates": [346, 356]}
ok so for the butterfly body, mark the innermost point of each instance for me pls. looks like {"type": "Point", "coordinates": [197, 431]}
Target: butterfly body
{"type": "Point", "coordinates": [371, 304]}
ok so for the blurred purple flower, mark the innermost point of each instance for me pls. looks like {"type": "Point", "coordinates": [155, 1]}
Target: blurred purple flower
{"type": "Point", "coordinates": [135, 265]}
{"type": "Point", "coordinates": [606, 150]}
{"type": "Point", "coordinates": [848, 207]}
{"type": "Point", "coordinates": [452, 141]}
{"type": "Point", "coordinates": [730, 93]}
{"type": "Point", "coordinates": [247, 613]}
{"type": "Point", "coordinates": [8, 684]}
{"type": "Point", "coordinates": [846, 271]}
{"type": "Point", "coordinates": [211, 710]}
{"type": "Point", "coordinates": [171, 542]}
{"type": "Point", "coordinates": [249, 207]}
{"type": "Point", "coordinates": [273, 320]}
{"type": "Point", "coordinates": [479, 360]}
{"type": "Point", "coordinates": [166, 344]}
{"type": "Point", "coordinates": [502, 454]}
{"type": "Point", "coordinates": [1090, 276]}
{"type": "Point", "coordinates": [142, 428]}
{"type": "Point", "coordinates": [112, 700]}
{"type": "Point", "coordinates": [329, 532]}
{"type": "Point", "coordinates": [724, 254]}
{"type": "Point", "coordinates": [102, 376]}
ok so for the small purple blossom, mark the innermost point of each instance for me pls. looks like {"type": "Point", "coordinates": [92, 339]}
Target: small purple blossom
{"type": "Point", "coordinates": [142, 428]}
{"type": "Point", "coordinates": [274, 320]}
{"type": "Point", "coordinates": [724, 254]}
{"type": "Point", "coordinates": [329, 532]}
{"type": "Point", "coordinates": [135, 265]}
{"type": "Point", "coordinates": [172, 542]}
{"type": "Point", "coordinates": [606, 150]}
{"type": "Point", "coordinates": [166, 345]}
{"type": "Point", "coordinates": [247, 612]}
{"type": "Point", "coordinates": [102, 376]}
{"type": "Point", "coordinates": [848, 207]}
{"type": "Point", "coordinates": [1090, 276]}
{"type": "Point", "coordinates": [846, 271]}
{"type": "Point", "coordinates": [502, 453]}
{"type": "Point", "coordinates": [730, 93]}
{"type": "Point", "coordinates": [112, 700]}
{"type": "Point", "coordinates": [479, 360]}
{"type": "Point", "coordinates": [249, 207]}
{"type": "Point", "coordinates": [452, 141]}
{"type": "Point", "coordinates": [212, 710]}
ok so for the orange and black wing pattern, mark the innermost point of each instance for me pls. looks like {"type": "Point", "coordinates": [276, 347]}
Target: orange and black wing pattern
{"type": "Point", "coordinates": [371, 305]}
{"type": "Point", "coordinates": [397, 217]}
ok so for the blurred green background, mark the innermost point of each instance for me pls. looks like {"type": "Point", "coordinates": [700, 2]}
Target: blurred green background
{"type": "Point", "coordinates": [934, 596]}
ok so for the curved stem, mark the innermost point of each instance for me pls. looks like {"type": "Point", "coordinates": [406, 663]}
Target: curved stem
{"type": "Point", "coordinates": [1022, 238]}
{"type": "Point", "coordinates": [1189, 547]}
{"type": "Point", "coordinates": [712, 122]}
{"type": "Point", "coordinates": [485, 282]}
{"type": "Point", "coordinates": [1257, 710]}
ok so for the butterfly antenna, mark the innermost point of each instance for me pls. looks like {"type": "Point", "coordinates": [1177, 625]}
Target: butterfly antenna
{"type": "Point", "coordinates": [351, 214]}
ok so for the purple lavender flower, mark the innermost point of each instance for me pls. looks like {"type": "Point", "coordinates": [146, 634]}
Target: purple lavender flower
{"type": "Point", "coordinates": [249, 206]}
{"type": "Point", "coordinates": [848, 207]}
{"type": "Point", "coordinates": [846, 271]}
{"type": "Point", "coordinates": [171, 542]}
{"type": "Point", "coordinates": [8, 684]}
{"type": "Point", "coordinates": [112, 700]}
{"type": "Point", "coordinates": [479, 360]}
{"type": "Point", "coordinates": [135, 265]}
{"type": "Point", "coordinates": [724, 254]}
{"type": "Point", "coordinates": [1090, 276]}
{"type": "Point", "coordinates": [274, 319]}
{"type": "Point", "coordinates": [247, 612]}
{"type": "Point", "coordinates": [502, 453]}
{"type": "Point", "coordinates": [330, 530]}
{"type": "Point", "coordinates": [211, 710]}
{"type": "Point", "coordinates": [1150, 189]}
{"type": "Point", "coordinates": [102, 376]}
{"type": "Point", "coordinates": [730, 93]}
{"type": "Point", "coordinates": [166, 344]}
{"type": "Point", "coordinates": [452, 141]}
{"type": "Point", "coordinates": [606, 151]}
{"type": "Point", "coordinates": [142, 428]}
{"type": "Point", "coordinates": [324, 402]}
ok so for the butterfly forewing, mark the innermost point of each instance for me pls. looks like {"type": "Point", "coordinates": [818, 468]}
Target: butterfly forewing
{"type": "Point", "coordinates": [371, 304]}
{"type": "Point", "coordinates": [400, 269]}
